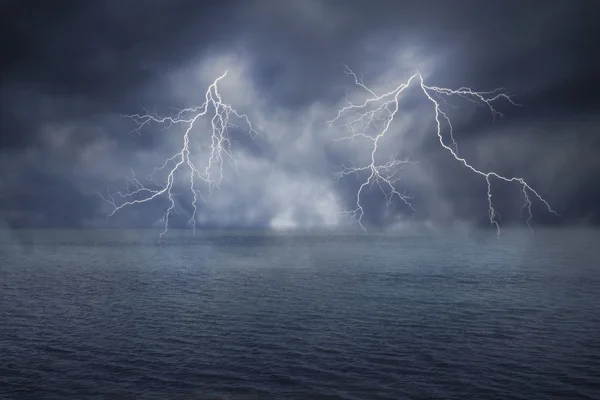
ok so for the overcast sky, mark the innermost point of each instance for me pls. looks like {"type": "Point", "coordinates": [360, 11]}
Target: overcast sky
{"type": "Point", "coordinates": [71, 69]}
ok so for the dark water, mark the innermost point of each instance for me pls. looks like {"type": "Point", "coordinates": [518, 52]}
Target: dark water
{"type": "Point", "coordinates": [422, 316]}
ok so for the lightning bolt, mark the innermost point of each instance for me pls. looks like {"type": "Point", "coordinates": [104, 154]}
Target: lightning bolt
{"type": "Point", "coordinates": [378, 113]}
{"type": "Point", "coordinates": [137, 193]}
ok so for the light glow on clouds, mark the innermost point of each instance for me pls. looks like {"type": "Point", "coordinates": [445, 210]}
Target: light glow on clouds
{"type": "Point", "coordinates": [269, 186]}
{"type": "Point", "coordinates": [280, 181]}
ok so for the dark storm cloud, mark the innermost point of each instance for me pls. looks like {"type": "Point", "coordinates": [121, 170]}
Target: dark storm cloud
{"type": "Point", "coordinates": [546, 49]}
{"type": "Point", "coordinates": [83, 63]}
{"type": "Point", "coordinates": [94, 57]}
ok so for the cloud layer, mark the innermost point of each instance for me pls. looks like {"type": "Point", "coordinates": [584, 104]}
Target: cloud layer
{"type": "Point", "coordinates": [71, 73]}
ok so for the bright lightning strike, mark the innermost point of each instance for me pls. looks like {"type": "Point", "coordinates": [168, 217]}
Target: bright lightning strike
{"type": "Point", "coordinates": [378, 113]}
{"type": "Point", "coordinates": [211, 174]}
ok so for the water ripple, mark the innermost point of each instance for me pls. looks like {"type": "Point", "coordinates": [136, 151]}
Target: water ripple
{"type": "Point", "coordinates": [277, 317]}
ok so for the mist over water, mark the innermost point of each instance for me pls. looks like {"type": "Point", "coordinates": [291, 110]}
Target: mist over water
{"type": "Point", "coordinates": [262, 315]}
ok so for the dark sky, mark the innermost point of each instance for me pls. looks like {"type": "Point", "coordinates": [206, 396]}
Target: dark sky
{"type": "Point", "coordinates": [71, 69]}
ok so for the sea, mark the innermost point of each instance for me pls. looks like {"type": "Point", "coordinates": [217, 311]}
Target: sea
{"type": "Point", "coordinates": [423, 314]}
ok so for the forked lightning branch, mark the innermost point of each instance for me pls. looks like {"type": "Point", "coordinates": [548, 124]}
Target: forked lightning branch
{"type": "Point", "coordinates": [212, 173]}
{"type": "Point", "coordinates": [377, 114]}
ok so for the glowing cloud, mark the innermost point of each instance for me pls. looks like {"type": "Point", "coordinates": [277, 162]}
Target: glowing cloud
{"type": "Point", "coordinates": [211, 174]}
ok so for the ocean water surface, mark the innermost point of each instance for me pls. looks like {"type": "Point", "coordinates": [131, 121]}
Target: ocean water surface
{"type": "Point", "coordinates": [255, 315]}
